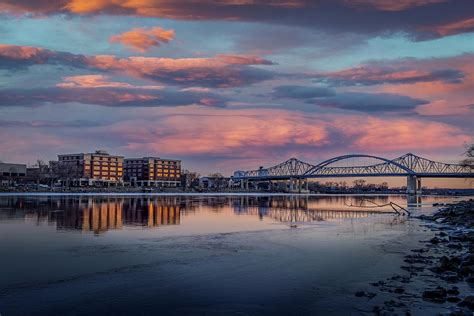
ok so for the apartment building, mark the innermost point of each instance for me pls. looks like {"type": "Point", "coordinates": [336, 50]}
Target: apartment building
{"type": "Point", "coordinates": [152, 172]}
{"type": "Point", "coordinates": [98, 169]}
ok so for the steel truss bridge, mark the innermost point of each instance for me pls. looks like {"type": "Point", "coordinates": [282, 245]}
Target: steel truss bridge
{"type": "Point", "coordinates": [409, 165]}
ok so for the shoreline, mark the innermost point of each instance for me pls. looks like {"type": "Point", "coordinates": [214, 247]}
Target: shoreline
{"type": "Point", "coordinates": [440, 272]}
{"type": "Point", "coordinates": [227, 193]}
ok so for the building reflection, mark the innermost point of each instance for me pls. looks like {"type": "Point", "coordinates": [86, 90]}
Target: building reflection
{"type": "Point", "coordinates": [94, 214]}
{"type": "Point", "coordinates": [99, 214]}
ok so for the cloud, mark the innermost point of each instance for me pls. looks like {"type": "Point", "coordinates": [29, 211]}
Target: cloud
{"type": "Point", "coordinates": [420, 18]}
{"type": "Point", "coordinates": [100, 81]}
{"type": "Point", "coordinates": [462, 26]}
{"type": "Point", "coordinates": [49, 124]}
{"type": "Point", "coordinates": [447, 97]}
{"type": "Point", "coordinates": [277, 133]}
{"type": "Point", "coordinates": [15, 57]}
{"type": "Point", "coordinates": [242, 136]}
{"type": "Point", "coordinates": [370, 102]}
{"type": "Point", "coordinates": [391, 5]}
{"type": "Point", "coordinates": [355, 101]}
{"type": "Point", "coordinates": [389, 72]}
{"type": "Point", "coordinates": [113, 97]}
{"type": "Point", "coordinates": [301, 92]}
{"type": "Point", "coordinates": [143, 39]}
{"type": "Point", "coordinates": [221, 71]}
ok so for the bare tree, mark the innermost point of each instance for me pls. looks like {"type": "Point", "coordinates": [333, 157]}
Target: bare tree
{"type": "Point", "coordinates": [469, 161]}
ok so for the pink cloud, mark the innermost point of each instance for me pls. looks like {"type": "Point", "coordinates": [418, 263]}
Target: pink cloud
{"type": "Point", "coordinates": [260, 133]}
{"type": "Point", "coordinates": [219, 71]}
{"type": "Point", "coordinates": [143, 39]}
{"type": "Point", "coordinates": [391, 5]}
{"type": "Point", "coordinates": [100, 81]}
{"type": "Point", "coordinates": [448, 83]}
{"type": "Point", "coordinates": [466, 25]}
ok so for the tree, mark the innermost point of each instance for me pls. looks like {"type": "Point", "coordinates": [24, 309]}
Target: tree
{"type": "Point", "coordinates": [218, 179]}
{"type": "Point", "coordinates": [359, 183]}
{"type": "Point", "coordinates": [469, 161]}
{"type": "Point", "coordinates": [191, 178]}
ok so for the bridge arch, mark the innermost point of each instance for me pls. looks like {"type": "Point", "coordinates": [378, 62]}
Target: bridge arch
{"type": "Point", "coordinates": [344, 157]}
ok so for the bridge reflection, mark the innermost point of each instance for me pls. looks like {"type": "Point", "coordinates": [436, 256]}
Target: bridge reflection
{"type": "Point", "coordinates": [99, 214]}
{"type": "Point", "coordinates": [304, 209]}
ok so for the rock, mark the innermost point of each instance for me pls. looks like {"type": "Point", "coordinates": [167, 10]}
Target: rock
{"type": "Point", "coordinates": [460, 312]}
{"type": "Point", "coordinates": [419, 250]}
{"type": "Point", "coordinates": [365, 294]}
{"type": "Point", "coordinates": [393, 303]}
{"type": "Point", "coordinates": [451, 277]}
{"type": "Point", "coordinates": [466, 270]}
{"type": "Point", "coordinates": [434, 240]}
{"type": "Point", "coordinates": [457, 246]}
{"type": "Point", "coordinates": [468, 301]}
{"type": "Point", "coordinates": [376, 310]}
{"type": "Point", "coordinates": [468, 259]}
{"type": "Point", "coordinates": [453, 299]}
{"type": "Point", "coordinates": [437, 295]}
{"type": "Point", "coordinates": [399, 290]}
{"type": "Point", "coordinates": [447, 264]}
{"type": "Point", "coordinates": [453, 291]}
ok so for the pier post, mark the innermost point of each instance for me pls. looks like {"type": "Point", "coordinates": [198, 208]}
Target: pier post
{"type": "Point", "coordinates": [413, 185]}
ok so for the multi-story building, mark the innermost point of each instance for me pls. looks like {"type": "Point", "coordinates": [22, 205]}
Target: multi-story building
{"type": "Point", "coordinates": [11, 173]}
{"type": "Point", "coordinates": [98, 168]}
{"type": "Point", "coordinates": [152, 172]}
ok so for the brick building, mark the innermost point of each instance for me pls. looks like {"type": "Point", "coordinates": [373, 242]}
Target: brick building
{"type": "Point", "coordinates": [152, 172]}
{"type": "Point", "coordinates": [98, 168]}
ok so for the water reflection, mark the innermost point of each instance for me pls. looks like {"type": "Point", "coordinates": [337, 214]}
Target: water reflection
{"type": "Point", "coordinates": [99, 214]}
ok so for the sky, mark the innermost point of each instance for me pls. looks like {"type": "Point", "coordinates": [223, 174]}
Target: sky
{"type": "Point", "coordinates": [236, 84]}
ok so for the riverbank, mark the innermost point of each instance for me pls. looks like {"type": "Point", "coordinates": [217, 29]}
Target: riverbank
{"type": "Point", "coordinates": [179, 190]}
{"type": "Point", "coordinates": [440, 272]}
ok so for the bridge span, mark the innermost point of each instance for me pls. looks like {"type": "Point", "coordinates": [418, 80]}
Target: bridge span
{"type": "Point", "coordinates": [298, 172]}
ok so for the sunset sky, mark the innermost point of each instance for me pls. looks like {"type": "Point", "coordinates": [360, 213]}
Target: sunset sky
{"type": "Point", "coordinates": [235, 84]}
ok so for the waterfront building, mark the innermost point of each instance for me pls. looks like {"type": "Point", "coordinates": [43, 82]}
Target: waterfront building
{"type": "Point", "coordinates": [11, 173]}
{"type": "Point", "coordinates": [95, 169]}
{"type": "Point", "coordinates": [152, 172]}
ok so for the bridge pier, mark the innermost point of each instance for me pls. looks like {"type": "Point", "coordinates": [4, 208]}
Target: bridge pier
{"type": "Point", "coordinates": [413, 185]}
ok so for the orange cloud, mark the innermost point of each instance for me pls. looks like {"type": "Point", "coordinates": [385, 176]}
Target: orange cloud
{"type": "Point", "coordinates": [19, 52]}
{"type": "Point", "coordinates": [142, 39]}
{"type": "Point", "coordinates": [374, 17]}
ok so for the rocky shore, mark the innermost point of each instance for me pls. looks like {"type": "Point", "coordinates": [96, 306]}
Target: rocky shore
{"type": "Point", "coordinates": [437, 276]}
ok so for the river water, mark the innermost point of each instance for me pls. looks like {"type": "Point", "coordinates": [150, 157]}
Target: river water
{"type": "Point", "coordinates": [200, 254]}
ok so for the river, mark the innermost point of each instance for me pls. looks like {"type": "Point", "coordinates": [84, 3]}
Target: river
{"type": "Point", "coordinates": [200, 254]}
